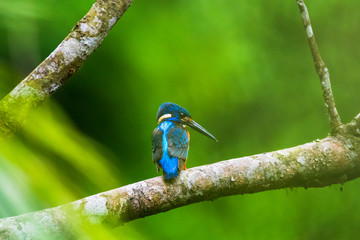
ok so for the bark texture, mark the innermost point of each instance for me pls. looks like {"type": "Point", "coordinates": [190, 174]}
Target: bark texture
{"type": "Point", "coordinates": [322, 71]}
{"type": "Point", "coordinates": [335, 159]}
{"type": "Point", "coordinates": [62, 63]}
{"type": "Point", "coordinates": [316, 164]}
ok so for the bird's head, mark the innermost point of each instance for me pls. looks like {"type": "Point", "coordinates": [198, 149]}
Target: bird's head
{"type": "Point", "coordinates": [173, 112]}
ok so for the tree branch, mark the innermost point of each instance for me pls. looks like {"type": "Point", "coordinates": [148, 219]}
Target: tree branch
{"type": "Point", "coordinates": [316, 164]}
{"type": "Point", "coordinates": [62, 63]}
{"type": "Point", "coordinates": [353, 127]}
{"type": "Point", "coordinates": [322, 70]}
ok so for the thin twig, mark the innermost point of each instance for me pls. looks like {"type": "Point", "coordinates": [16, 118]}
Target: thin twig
{"type": "Point", "coordinates": [322, 70]}
{"type": "Point", "coordinates": [316, 164]}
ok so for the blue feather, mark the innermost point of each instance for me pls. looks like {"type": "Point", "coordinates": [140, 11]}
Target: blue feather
{"type": "Point", "coordinates": [170, 139]}
{"type": "Point", "coordinates": [168, 164]}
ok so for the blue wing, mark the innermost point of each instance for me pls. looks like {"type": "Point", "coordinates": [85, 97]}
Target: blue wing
{"type": "Point", "coordinates": [178, 140]}
{"type": "Point", "coordinates": [177, 147]}
{"type": "Point", "coordinates": [157, 147]}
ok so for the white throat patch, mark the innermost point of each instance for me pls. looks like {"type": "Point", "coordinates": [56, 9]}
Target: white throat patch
{"type": "Point", "coordinates": [168, 115]}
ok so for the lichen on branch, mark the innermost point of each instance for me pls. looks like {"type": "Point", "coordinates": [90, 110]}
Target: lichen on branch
{"type": "Point", "coordinates": [61, 64]}
{"type": "Point", "coordinates": [316, 164]}
{"type": "Point", "coordinates": [335, 159]}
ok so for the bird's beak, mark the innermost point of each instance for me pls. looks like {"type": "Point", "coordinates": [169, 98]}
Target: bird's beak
{"type": "Point", "coordinates": [194, 125]}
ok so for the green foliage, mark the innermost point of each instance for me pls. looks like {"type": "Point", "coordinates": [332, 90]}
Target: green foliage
{"type": "Point", "coordinates": [242, 69]}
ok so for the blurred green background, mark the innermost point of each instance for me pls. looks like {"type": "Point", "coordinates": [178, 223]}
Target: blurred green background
{"type": "Point", "coordinates": [244, 71]}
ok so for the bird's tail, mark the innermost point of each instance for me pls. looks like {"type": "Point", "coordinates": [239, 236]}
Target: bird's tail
{"type": "Point", "coordinates": [170, 166]}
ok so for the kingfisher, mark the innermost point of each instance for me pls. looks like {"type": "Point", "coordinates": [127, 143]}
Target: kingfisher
{"type": "Point", "coordinates": [170, 139]}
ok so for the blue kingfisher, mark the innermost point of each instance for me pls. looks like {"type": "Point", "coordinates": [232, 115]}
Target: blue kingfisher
{"type": "Point", "coordinates": [170, 139]}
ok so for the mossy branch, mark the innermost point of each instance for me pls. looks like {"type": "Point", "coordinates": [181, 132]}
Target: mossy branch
{"type": "Point", "coordinates": [316, 164]}
{"type": "Point", "coordinates": [332, 160]}
{"type": "Point", "coordinates": [63, 62]}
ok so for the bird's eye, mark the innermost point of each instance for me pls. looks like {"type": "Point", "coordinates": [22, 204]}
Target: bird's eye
{"type": "Point", "coordinates": [182, 114]}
